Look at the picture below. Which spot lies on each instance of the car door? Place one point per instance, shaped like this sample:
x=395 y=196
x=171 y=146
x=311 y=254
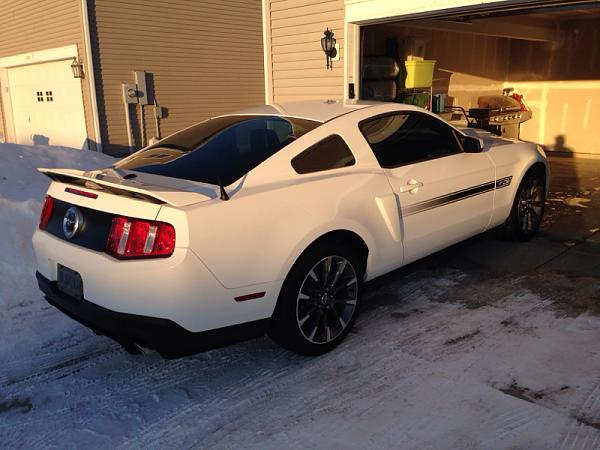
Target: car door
x=444 y=194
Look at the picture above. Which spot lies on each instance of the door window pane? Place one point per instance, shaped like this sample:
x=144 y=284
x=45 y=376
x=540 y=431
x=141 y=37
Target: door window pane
x=406 y=138
x=330 y=153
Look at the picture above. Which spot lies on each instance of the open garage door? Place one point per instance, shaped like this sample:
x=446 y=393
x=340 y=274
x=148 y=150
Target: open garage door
x=47 y=105
x=550 y=55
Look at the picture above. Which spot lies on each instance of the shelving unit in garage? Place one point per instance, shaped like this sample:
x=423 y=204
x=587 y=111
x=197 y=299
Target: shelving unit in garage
x=401 y=74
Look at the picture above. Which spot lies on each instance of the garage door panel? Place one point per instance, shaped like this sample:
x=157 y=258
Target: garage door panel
x=47 y=105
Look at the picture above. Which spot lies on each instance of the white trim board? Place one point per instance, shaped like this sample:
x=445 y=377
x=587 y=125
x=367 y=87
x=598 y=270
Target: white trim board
x=91 y=76
x=267 y=51
x=40 y=56
x=25 y=59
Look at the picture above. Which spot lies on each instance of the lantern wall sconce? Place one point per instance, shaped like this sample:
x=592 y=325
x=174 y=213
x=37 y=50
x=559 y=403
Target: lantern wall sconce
x=77 y=68
x=328 y=46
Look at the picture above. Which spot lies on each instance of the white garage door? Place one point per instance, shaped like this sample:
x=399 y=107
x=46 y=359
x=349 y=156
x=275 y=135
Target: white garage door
x=47 y=105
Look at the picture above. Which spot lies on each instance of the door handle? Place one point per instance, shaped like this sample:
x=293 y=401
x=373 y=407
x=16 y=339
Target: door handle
x=411 y=186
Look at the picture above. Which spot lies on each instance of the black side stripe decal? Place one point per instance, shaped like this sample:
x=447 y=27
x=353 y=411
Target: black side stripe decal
x=456 y=196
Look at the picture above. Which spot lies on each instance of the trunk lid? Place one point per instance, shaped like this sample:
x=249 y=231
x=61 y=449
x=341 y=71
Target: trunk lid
x=101 y=195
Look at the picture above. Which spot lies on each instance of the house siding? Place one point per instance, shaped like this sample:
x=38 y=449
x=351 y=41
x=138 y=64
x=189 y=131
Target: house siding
x=298 y=63
x=203 y=58
x=27 y=26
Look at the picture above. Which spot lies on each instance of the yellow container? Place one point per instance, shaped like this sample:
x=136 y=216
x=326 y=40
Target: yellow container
x=419 y=73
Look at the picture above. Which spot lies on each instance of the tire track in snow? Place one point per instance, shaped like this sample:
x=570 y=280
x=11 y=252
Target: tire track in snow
x=62 y=348
x=515 y=419
x=127 y=378
x=579 y=434
x=239 y=398
x=129 y=387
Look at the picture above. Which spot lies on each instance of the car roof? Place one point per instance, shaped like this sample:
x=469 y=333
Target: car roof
x=318 y=110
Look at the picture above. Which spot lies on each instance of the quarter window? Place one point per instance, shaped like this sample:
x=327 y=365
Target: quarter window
x=401 y=139
x=330 y=153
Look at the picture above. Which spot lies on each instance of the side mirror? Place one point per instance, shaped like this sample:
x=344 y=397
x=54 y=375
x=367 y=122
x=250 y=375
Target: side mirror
x=472 y=144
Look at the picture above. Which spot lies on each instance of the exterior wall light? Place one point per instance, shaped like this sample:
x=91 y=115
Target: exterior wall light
x=328 y=46
x=77 y=68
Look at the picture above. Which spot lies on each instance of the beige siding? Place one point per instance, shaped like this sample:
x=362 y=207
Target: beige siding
x=298 y=62
x=32 y=25
x=3 y=134
x=204 y=58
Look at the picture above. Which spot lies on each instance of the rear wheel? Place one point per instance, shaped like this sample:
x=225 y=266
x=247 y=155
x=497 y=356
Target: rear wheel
x=319 y=300
x=528 y=208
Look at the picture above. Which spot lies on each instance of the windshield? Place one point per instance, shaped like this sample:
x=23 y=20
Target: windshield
x=219 y=150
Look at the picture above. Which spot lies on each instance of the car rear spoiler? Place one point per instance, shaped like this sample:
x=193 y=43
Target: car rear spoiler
x=150 y=193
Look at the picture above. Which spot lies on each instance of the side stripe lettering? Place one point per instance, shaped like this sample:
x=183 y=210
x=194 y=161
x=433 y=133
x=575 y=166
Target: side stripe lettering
x=456 y=196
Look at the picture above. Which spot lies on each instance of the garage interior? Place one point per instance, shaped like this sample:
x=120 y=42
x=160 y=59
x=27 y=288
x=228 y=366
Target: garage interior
x=551 y=56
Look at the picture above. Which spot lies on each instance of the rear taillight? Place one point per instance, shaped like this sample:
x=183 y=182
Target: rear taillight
x=46 y=212
x=138 y=238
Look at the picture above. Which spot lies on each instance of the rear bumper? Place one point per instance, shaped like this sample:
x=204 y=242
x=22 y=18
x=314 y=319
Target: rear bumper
x=169 y=339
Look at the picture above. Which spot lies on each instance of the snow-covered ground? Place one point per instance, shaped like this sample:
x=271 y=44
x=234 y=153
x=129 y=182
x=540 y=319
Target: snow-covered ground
x=22 y=191
x=443 y=356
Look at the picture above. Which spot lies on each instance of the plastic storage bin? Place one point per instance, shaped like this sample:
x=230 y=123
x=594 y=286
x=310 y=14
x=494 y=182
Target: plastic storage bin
x=418 y=99
x=419 y=74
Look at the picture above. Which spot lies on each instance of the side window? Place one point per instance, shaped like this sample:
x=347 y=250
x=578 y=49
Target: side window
x=330 y=153
x=406 y=138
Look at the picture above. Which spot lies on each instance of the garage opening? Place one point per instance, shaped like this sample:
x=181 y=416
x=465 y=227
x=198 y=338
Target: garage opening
x=549 y=56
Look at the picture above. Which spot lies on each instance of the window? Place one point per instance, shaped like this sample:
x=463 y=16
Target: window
x=330 y=153
x=219 y=150
x=406 y=138
x=49 y=97
x=40 y=96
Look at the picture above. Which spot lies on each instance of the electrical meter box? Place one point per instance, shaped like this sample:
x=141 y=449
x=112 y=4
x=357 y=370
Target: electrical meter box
x=130 y=95
x=142 y=91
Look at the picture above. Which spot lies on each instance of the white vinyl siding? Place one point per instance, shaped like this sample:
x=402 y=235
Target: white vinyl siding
x=299 y=71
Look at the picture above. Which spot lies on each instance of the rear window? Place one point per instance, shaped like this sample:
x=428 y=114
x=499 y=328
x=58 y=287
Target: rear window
x=220 y=150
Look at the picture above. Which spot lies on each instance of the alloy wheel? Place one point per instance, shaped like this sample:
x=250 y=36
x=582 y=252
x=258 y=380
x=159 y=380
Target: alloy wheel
x=327 y=299
x=531 y=205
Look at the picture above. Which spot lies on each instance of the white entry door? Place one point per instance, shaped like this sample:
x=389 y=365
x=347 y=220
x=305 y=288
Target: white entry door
x=47 y=105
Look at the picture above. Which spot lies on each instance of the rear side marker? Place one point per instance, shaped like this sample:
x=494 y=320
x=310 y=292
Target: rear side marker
x=80 y=192
x=243 y=298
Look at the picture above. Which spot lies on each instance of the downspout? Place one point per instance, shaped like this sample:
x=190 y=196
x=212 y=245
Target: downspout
x=91 y=74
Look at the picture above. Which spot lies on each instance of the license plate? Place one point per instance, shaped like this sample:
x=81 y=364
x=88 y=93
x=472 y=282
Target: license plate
x=69 y=282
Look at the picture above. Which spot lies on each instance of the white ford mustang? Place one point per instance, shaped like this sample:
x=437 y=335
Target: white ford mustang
x=271 y=220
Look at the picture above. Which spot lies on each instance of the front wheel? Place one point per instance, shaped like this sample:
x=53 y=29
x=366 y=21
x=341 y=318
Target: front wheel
x=319 y=300
x=528 y=208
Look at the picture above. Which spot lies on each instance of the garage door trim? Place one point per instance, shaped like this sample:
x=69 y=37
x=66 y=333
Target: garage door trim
x=25 y=59
x=353 y=24
x=491 y=7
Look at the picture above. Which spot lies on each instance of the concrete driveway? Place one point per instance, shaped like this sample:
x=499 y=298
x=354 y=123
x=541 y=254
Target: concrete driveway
x=488 y=344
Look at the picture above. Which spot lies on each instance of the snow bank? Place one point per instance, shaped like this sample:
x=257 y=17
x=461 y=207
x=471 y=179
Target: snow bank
x=22 y=189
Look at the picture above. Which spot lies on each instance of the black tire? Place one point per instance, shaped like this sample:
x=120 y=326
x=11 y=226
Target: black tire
x=527 y=210
x=312 y=315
